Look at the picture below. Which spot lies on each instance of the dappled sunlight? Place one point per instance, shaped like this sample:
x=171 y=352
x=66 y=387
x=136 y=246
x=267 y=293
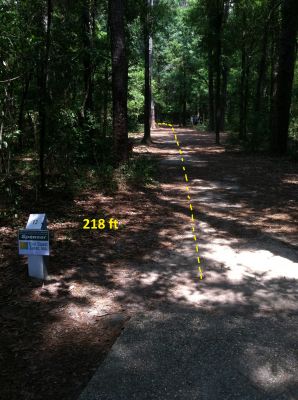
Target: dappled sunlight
x=236 y=268
x=245 y=240
x=255 y=261
x=290 y=179
x=269 y=375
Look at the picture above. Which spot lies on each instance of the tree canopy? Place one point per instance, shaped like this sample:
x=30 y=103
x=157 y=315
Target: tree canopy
x=75 y=77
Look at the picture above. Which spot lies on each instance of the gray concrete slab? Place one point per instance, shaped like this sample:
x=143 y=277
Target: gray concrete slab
x=193 y=354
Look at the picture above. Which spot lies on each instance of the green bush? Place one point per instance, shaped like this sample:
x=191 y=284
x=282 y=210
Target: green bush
x=293 y=138
x=138 y=171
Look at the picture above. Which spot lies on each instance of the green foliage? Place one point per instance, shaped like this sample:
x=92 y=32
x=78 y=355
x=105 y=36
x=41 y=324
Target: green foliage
x=180 y=72
x=293 y=138
x=135 y=97
x=79 y=135
x=10 y=195
x=138 y=171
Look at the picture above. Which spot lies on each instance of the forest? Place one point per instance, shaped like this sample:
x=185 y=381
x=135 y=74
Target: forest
x=175 y=123
x=76 y=77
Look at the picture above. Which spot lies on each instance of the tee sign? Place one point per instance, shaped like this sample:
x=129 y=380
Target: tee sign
x=34 y=242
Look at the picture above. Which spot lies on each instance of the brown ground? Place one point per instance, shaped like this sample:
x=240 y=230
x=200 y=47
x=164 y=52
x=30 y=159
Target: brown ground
x=53 y=336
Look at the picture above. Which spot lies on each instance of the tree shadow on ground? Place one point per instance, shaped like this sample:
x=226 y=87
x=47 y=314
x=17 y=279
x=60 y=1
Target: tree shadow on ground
x=146 y=265
x=195 y=354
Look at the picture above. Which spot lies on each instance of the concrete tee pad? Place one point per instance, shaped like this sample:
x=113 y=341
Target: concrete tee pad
x=194 y=354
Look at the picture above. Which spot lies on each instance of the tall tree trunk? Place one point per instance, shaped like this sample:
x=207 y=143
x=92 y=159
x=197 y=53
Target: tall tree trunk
x=3 y=167
x=246 y=96
x=119 y=78
x=286 y=66
x=224 y=73
x=153 y=123
x=105 y=102
x=261 y=69
x=218 y=51
x=87 y=60
x=275 y=36
x=148 y=45
x=224 y=85
x=44 y=95
x=211 y=91
x=22 y=105
x=184 y=96
x=184 y=111
x=152 y=119
x=243 y=100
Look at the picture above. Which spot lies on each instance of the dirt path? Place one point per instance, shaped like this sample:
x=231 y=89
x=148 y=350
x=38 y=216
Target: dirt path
x=245 y=207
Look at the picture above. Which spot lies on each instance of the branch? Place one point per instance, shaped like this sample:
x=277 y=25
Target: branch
x=12 y=79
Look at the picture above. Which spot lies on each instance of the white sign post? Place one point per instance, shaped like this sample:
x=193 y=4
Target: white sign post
x=34 y=243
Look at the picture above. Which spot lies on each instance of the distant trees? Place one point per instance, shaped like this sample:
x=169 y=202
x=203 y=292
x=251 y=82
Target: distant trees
x=250 y=54
x=75 y=76
x=179 y=68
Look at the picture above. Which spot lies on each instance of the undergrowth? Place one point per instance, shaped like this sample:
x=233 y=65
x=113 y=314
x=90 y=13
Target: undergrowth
x=22 y=183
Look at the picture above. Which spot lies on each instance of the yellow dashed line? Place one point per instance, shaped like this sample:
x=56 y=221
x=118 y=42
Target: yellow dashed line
x=201 y=273
x=188 y=197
